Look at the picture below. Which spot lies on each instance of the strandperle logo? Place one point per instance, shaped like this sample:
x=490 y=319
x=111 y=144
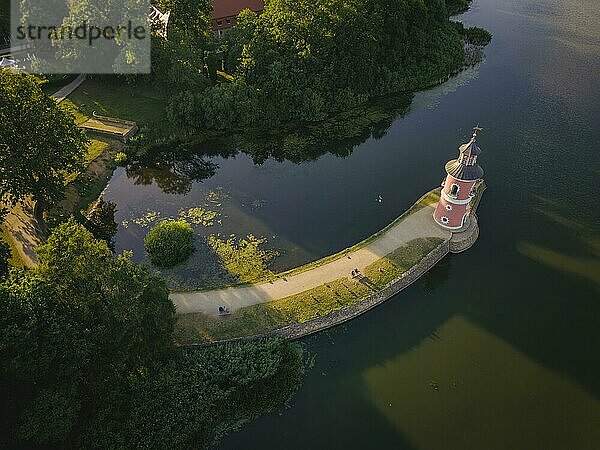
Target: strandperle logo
x=87 y=36
x=86 y=32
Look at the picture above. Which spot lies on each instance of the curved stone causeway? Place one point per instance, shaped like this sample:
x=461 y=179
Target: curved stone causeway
x=416 y=223
x=300 y=330
x=419 y=224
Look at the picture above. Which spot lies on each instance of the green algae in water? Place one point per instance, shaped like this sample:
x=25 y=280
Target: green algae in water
x=199 y=216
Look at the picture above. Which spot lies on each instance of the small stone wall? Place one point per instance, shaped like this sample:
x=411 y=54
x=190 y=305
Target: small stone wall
x=465 y=239
x=301 y=330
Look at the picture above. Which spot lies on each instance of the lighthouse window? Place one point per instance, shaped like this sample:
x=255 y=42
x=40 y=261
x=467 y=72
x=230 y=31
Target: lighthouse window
x=454 y=190
x=444 y=219
x=448 y=207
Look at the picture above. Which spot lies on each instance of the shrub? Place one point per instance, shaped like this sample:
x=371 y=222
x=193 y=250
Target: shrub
x=170 y=242
x=121 y=158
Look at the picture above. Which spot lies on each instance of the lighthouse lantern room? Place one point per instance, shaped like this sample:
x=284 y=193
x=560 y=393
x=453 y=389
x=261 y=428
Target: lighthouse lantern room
x=464 y=176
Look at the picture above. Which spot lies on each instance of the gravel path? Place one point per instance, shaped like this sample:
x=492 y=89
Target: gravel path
x=65 y=91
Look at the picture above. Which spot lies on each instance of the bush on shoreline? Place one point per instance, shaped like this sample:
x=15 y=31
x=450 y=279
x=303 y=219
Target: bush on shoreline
x=170 y=242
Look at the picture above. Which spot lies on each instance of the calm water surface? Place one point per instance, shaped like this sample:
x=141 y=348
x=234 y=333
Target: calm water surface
x=497 y=348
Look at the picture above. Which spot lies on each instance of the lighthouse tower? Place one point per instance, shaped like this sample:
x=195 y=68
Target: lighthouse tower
x=460 y=186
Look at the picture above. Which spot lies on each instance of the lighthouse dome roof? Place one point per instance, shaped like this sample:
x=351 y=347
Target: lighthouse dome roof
x=463 y=172
x=470 y=148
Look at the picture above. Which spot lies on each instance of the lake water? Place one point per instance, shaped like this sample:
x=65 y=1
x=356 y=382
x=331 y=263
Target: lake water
x=496 y=348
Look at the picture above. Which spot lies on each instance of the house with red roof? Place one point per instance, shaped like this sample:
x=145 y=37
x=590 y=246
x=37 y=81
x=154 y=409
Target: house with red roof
x=225 y=13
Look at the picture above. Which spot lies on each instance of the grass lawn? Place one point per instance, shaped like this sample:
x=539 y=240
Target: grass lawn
x=15 y=259
x=307 y=305
x=83 y=188
x=79 y=116
x=139 y=104
x=116 y=100
x=95 y=148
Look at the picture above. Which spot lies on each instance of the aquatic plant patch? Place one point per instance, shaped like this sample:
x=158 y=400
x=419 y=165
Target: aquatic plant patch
x=194 y=216
x=245 y=258
x=199 y=216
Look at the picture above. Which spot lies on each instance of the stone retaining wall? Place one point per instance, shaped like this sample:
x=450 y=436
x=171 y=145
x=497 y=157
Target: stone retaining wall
x=464 y=240
x=301 y=330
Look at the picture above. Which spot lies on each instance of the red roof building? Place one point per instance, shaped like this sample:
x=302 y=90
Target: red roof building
x=225 y=12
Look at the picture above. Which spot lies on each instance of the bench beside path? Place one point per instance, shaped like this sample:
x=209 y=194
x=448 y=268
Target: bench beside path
x=419 y=224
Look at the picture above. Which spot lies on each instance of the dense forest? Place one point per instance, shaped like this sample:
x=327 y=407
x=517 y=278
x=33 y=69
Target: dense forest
x=4 y=22
x=304 y=60
x=87 y=359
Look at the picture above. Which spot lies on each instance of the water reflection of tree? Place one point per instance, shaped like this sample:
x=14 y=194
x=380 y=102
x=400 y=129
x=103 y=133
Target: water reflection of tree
x=176 y=167
x=338 y=135
x=173 y=170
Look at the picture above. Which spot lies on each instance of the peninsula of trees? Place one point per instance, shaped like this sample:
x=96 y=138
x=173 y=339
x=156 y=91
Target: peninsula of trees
x=302 y=60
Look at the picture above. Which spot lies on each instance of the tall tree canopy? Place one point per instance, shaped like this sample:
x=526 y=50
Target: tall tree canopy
x=76 y=329
x=39 y=142
x=87 y=361
x=178 y=62
x=302 y=60
x=5 y=255
x=4 y=22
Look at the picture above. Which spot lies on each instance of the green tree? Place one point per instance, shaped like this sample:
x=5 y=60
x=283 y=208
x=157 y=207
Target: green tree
x=197 y=396
x=178 y=61
x=4 y=22
x=175 y=68
x=39 y=142
x=303 y=60
x=477 y=36
x=190 y=23
x=74 y=331
x=170 y=242
x=86 y=359
x=457 y=6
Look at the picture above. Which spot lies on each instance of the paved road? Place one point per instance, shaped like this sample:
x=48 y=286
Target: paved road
x=417 y=225
x=65 y=91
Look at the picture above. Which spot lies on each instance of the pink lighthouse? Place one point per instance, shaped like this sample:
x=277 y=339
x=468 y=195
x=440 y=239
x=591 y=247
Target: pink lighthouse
x=460 y=186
